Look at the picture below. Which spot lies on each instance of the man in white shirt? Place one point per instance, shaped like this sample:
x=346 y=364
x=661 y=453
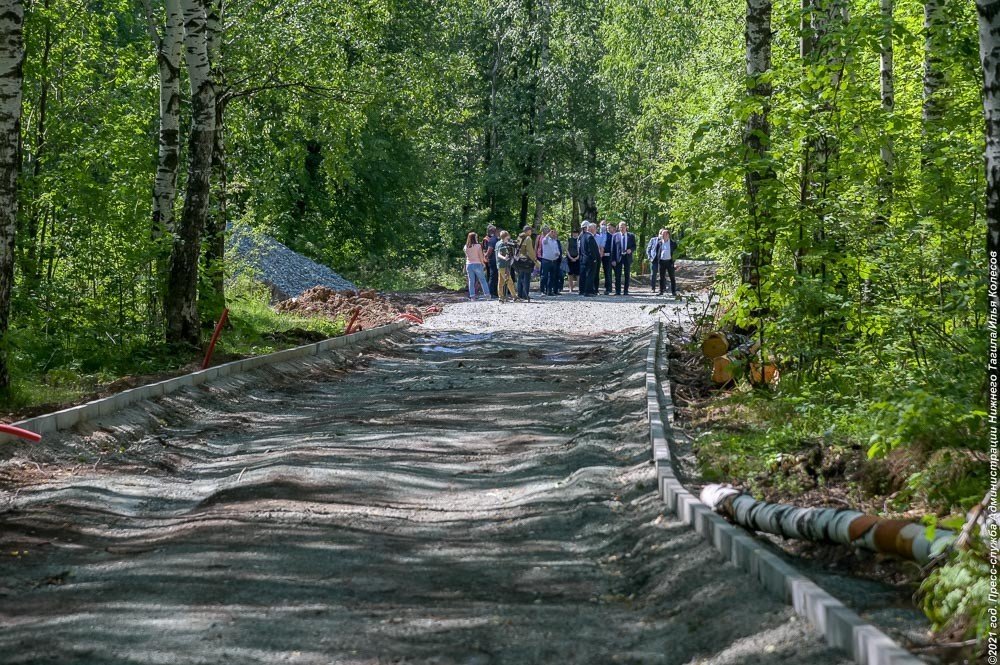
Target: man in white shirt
x=551 y=256
x=605 y=240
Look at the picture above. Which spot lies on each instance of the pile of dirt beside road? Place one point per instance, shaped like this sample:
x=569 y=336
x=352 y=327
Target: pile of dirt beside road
x=373 y=309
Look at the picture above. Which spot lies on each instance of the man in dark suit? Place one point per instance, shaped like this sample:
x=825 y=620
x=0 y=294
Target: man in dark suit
x=590 y=259
x=622 y=252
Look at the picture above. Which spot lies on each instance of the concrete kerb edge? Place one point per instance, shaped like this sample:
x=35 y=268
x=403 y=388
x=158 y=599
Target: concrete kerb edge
x=67 y=418
x=842 y=627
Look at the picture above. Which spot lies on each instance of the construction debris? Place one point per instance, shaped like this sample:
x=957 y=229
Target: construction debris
x=373 y=309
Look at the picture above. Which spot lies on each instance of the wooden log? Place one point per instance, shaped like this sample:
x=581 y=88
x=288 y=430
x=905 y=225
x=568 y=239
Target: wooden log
x=716 y=344
x=848 y=527
x=768 y=377
x=722 y=370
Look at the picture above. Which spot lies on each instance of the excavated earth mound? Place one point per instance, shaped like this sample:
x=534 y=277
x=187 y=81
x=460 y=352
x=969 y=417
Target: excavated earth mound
x=373 y=309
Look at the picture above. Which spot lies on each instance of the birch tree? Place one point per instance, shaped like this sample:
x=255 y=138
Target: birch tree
x=168 y=38
x=989 y=51
x=11 y=76
x=756 y=142
x=935 y=22
x=181 y=306
x=887 y=90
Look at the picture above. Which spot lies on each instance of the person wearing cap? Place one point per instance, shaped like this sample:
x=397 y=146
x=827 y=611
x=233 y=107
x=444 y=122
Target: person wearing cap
x=505 y=252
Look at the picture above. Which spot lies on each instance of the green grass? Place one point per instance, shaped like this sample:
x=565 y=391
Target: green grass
x=47 y=371
x=429 y=275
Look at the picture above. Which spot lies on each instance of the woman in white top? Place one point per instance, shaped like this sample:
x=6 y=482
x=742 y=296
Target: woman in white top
x=475 y=267
x=665 y=259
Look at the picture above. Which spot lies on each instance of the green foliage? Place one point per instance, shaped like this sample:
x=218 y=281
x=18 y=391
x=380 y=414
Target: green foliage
x=373 y=136
x=255 y=328
x=956 y=596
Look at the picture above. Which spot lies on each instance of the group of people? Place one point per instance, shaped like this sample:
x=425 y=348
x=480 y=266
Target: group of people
x=500 y=267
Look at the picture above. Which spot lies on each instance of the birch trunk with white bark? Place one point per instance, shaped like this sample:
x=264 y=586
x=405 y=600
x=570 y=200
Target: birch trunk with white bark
x=11 y=78
x=757 y=133
x=181 y=306
x=168 y=43
x=933 y=77
x=989 y=51
x=888 y=95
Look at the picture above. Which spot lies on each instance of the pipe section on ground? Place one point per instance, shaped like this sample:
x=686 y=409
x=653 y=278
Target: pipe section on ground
x=848 y=527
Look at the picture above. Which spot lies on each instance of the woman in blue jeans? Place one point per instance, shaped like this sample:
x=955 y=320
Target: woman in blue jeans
x=475 y=267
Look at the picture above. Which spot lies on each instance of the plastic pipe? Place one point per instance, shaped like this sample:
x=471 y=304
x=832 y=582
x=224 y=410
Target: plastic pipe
x=354 y=318
x=848 y=527
x=20 y=433
x=215 y=338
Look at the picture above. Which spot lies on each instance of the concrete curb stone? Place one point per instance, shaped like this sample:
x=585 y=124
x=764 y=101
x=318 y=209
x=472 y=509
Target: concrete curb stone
x=841 y=626
x=67 y=418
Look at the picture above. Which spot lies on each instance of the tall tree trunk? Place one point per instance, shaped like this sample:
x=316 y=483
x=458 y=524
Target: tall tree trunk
x=525 y=196
x=541 y=108
x=168 y=40
x=11 y=78
x=888 y=94
x=887 y=154
x=589 y=198
x=168 y=43
x=934 y=179
x=38 y=210
x=989 y=50
x=935 y=20
x=490 y=134
x=806 y=46
x=756 y=142
x=215 y=245
x=181 y=306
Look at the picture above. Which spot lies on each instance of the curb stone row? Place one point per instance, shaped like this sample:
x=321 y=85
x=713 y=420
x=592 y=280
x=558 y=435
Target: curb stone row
x=841 y=626
x=72 y=416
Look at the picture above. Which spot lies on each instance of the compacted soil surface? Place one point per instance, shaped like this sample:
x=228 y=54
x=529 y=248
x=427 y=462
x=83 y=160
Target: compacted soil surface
x=445 y=496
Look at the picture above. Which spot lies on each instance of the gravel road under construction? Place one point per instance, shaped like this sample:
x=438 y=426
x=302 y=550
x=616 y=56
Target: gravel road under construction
x=446 y=497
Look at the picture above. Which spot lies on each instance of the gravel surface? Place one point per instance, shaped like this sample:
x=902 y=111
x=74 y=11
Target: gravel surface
x=467 y=498
x=570 y=314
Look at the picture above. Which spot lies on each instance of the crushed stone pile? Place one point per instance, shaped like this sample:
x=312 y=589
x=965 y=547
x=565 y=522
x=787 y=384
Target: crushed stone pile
x=374 y=309
x=287 y=273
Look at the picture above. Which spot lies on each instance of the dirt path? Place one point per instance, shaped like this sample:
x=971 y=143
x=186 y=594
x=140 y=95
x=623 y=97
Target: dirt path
x=467 y=498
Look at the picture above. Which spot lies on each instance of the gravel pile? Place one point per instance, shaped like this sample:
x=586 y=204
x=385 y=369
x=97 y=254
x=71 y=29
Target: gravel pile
x=287 y=273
